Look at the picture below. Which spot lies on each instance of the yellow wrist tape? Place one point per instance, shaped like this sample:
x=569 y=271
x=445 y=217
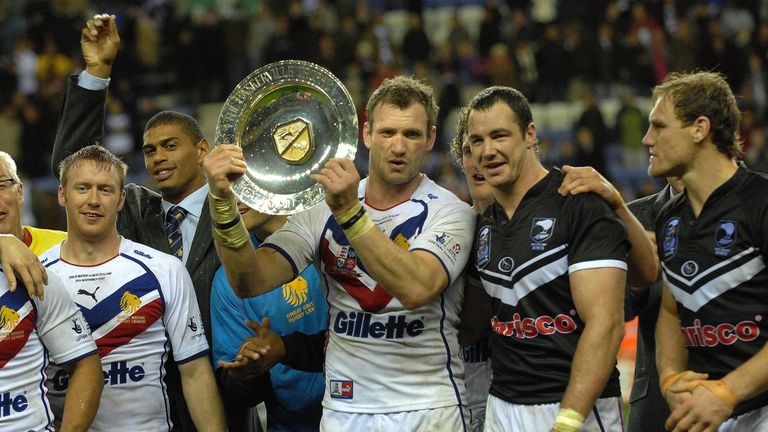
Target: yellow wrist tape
x=568 y=420
x=721 y=390
x=348 y=214
x=359 y=228
x=227 y=227
x=671 y=379
x=223 y=210
x=233 y=237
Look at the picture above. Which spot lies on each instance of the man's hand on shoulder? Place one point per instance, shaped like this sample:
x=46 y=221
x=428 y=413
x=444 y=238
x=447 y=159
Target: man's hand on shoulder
x=586 y=179
x=19 y=261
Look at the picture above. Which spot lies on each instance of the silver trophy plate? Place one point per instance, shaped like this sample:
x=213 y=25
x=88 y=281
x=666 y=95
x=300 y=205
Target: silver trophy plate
x=290 y=118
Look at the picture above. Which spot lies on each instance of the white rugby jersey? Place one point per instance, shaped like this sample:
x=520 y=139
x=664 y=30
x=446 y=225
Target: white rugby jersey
x=30 y=331
x=139 y=305
x=381 y=357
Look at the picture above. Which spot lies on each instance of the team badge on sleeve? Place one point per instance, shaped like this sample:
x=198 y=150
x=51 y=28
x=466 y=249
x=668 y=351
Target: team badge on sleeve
x=484 y=246
x=669 y=243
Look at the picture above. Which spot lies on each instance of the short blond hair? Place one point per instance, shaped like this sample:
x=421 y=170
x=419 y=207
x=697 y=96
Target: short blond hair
x=9 y=165
x=97 y=155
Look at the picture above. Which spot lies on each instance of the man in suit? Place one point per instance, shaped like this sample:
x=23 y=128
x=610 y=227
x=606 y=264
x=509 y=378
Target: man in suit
x=647 y=408
x=174 y=148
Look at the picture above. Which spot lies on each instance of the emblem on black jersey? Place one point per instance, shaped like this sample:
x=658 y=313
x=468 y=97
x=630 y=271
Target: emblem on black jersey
x=484 y=246
x=669 y=244
x=506 y=264
x=725 y=236
x=689 y=268
x=541 y=231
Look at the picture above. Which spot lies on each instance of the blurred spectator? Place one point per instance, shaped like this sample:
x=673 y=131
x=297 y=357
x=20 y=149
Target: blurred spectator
x=682 y=48
x=25 y=60
x=591 y=148
x=631 y=125
x=490 y=29
x=553 y=65
x=117 y=129
x=415 y=46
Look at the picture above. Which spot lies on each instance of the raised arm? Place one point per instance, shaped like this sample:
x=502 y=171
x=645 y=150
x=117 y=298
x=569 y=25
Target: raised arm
x=598 y=295
x=643 y=261
x=414 y=277
x=250 y=271
x=81 y=122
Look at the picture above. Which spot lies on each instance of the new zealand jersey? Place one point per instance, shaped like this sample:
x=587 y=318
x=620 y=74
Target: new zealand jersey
x=140 y=305
x=714 y=266
x=524 y=265
x=382 y=357
x=30 y=331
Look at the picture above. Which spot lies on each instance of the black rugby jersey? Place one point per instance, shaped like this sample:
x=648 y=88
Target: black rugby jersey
x=714 y=265
x=523 y=264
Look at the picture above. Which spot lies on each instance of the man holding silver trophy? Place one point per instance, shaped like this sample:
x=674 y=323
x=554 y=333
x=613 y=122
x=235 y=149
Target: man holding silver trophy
x=390 y=248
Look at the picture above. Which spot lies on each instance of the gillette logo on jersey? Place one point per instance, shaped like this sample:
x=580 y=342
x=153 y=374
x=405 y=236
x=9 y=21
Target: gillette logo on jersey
x=8 y=403
x=528 y=328
x=362 y=325
x=118 y=373
x=708 y=335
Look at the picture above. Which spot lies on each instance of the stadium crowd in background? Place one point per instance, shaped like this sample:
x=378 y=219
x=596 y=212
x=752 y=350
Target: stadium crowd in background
x=583 y=52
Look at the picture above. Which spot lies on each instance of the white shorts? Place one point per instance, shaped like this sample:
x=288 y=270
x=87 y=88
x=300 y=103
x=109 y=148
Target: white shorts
x=753 y=421
x=453 y=418
x=501 y=416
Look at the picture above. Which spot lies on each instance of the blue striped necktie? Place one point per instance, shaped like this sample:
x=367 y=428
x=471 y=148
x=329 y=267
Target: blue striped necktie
x=173 y=228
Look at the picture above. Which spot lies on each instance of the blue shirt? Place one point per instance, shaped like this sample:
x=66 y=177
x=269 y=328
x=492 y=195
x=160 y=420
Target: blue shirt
x=297 y=406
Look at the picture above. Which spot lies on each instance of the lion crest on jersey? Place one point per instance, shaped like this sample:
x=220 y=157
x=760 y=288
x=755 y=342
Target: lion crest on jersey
x=9 y=318
x=130 y=303
x=295 y=292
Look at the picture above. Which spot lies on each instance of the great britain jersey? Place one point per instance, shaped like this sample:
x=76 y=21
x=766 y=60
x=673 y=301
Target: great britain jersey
x=524 y=265
x=381 y=357
x=30 y=332
x=139 y=305
x=714 y=266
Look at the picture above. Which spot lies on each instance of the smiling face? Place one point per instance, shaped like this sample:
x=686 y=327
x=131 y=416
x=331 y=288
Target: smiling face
x=92 y=196
x=670 y=143
x=173 y=160
x=398 y=140
x=498 y=146
x=11 y=197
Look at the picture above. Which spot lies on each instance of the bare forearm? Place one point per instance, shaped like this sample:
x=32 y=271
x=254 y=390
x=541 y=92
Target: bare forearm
x=202 y=395
x=592 y=365
x=82 y=401
x=643 y=262
x=404 y=274
x=252 y=272
x=671 y=355
x=751 y=378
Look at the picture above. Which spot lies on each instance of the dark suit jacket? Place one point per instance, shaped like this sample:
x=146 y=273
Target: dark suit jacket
x=647 y=408
x=81 y=123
